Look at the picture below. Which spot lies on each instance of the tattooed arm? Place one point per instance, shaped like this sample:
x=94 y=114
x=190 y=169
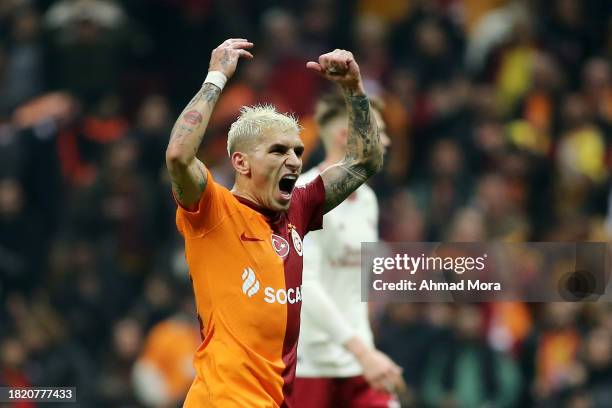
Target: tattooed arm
x=188 y=174
x=364 y=153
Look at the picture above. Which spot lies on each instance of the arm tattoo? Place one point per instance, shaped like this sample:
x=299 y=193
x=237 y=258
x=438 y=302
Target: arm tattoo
x=188 y=182
x=363 y=153
x=193 y=117
x=202 y=180
x=225 y=60
x=178 y=191
x=209 y=94
x=354 y=172
x=344 y=182
x=363 y=132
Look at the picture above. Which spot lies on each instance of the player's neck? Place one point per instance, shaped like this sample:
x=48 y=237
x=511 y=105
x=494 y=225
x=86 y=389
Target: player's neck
x=243 y=191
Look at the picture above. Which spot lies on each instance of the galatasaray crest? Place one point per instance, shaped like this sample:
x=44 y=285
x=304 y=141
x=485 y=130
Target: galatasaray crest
x=297 y=241
x=280 y=245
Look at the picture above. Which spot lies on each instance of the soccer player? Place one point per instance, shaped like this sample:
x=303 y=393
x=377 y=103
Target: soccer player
x=338 y=365
x=244 y=246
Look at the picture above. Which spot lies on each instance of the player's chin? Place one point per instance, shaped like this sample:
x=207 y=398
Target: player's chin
x=282 y=200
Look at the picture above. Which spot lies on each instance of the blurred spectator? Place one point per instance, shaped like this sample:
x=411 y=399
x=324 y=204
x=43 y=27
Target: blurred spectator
x=469 y=373
x=515 y=61
x=83 y=280
x=53 y=358
x=550 y=359
x=468 y=225
x=401 y=219
x=407 y=337
x=280 y=31
x=88 y=46
x=372 y=52
x=21 y=67
x=597 y=88
x=509 y=324
x=13 y=357
x=164 y=371
x=444 y=188
x=116 y=210
x=114 y=378
x=538 y=109
x=503 y=219
x=492 y=29
x=429 y=42
x=581 y=155
x=598 y=365
x=151 y=130
x=21 y=259
x=564 y=34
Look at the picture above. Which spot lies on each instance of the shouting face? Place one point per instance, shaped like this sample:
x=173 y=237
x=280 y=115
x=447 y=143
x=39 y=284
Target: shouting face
x=271 y=169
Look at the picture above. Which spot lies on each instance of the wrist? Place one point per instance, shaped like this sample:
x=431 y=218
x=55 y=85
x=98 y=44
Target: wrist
x=217 y=78
x=357 y=347
x=355 y=89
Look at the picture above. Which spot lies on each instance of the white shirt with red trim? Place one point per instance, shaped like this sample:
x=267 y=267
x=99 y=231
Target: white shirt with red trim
x=332 y=311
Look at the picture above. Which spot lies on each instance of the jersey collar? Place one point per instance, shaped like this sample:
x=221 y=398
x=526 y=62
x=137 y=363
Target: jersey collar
x=271 y=215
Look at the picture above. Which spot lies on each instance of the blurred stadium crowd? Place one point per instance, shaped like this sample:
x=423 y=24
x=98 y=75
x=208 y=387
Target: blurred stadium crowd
x=500 y=114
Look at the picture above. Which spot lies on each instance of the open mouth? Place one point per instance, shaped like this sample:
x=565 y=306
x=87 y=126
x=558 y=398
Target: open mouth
x=286 y=184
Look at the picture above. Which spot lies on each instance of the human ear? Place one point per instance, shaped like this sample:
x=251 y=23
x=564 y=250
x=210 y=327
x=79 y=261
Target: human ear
x=241 y=163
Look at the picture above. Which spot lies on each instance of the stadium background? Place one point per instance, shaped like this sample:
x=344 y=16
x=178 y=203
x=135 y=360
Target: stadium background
x=500 y=114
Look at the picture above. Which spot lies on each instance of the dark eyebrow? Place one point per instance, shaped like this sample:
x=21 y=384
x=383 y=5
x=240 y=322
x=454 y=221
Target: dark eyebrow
x=278 y=147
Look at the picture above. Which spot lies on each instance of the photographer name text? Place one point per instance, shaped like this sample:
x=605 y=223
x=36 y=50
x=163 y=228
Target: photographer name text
x=430 y=285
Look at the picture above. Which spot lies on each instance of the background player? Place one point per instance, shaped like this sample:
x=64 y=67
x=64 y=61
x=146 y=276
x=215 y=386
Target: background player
x=246 y=276
x=337 y=362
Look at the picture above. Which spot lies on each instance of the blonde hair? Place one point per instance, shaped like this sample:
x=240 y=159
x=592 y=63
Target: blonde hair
x=254 y=120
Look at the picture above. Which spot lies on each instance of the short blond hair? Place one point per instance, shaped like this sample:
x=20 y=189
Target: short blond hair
x=254 y=120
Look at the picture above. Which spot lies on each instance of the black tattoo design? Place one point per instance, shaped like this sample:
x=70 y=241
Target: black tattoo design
x=359 y=117
x=186 y=137
x=209 y=93
x=202 y=181
x=363 y=152
x=178 y=191
x=345 y=180
x=225 y=59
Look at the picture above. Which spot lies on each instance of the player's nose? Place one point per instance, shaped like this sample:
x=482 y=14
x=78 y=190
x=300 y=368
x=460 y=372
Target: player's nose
x=293 y=162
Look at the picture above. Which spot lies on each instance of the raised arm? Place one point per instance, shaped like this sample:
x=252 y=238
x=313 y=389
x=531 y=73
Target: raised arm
x=188 y=174
x=364 y=153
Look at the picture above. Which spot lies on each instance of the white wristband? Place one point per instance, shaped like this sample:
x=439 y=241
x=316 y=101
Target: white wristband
x=216 y=78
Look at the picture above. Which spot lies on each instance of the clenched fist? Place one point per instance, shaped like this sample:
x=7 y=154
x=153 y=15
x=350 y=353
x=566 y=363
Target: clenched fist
x=225 y=57
x=339 y=66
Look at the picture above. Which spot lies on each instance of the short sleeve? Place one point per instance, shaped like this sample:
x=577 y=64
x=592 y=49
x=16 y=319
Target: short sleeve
x=308 y=204
x=213 y=207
